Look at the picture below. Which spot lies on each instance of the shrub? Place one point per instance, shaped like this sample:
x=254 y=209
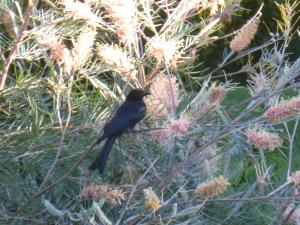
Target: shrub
x=198 y=157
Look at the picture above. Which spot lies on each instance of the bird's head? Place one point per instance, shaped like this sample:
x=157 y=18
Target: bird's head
x=137 y=94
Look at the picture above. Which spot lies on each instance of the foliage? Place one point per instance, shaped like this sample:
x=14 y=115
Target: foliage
x=207 y=153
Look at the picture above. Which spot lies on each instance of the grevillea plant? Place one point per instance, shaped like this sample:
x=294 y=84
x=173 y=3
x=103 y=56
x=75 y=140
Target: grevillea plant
x=208 y=151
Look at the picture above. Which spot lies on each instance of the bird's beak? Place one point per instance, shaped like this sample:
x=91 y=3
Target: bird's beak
x=146 y=93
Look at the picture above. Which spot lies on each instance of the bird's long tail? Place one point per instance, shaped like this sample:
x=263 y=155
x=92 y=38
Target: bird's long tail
x=100 y=162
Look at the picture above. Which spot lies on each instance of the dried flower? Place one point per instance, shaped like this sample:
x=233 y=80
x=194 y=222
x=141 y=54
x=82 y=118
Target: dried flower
x=52 y=43
x=112 y=195
x=244 y=36
x=165 y=92
x=83 y=47
x=151 y=200
x=164 y=50
x=117 y=59
x=213 y=187
x=80 y=10
x=263 y=139
x=122 y=13
x=58 y=51
x=216 y=94
x=284 y=110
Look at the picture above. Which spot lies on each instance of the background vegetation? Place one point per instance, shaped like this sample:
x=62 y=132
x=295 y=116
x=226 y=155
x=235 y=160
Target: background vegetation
x=220 y=143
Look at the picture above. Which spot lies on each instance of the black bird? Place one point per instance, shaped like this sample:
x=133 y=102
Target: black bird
x=126 y=117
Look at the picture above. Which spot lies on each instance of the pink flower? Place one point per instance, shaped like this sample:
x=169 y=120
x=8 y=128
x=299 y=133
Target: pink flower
x=179 y=126
x=245 y=35
x=283 y=110
x=263 y=139
x=165 y=91
x=176 y=127
x=161 y=135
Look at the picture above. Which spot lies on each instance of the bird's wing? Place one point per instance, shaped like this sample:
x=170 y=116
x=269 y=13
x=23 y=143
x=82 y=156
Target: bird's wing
x=126 y=117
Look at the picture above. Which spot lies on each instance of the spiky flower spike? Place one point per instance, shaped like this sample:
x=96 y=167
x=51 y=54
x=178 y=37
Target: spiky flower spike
x=164 y=95
x=263 y=139
x=258 y=84
x=284 y=110
x=179 y=126
x=176 y=127
x=245 y=35
x=164 y=50
x=160 y=135
x=83 y=46
x=57 y=49
x=151 y=200
x=122 y=13
x=79 y=10
x=215 y=96
x=117 y=59
x=213 y=187
x=111 y=195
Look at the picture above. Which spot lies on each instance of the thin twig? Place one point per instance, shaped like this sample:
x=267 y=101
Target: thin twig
x=279 y=188
x=133 y=190
x=63 y=133
x=291 y=145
